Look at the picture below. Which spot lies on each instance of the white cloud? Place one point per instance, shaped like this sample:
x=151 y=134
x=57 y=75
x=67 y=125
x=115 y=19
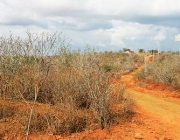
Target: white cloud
x=159 y=37
x=103 y=23
x=177 y=37
x=121 y=8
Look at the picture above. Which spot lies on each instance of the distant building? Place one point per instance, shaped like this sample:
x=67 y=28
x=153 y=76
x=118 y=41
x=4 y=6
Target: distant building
x=129 y=52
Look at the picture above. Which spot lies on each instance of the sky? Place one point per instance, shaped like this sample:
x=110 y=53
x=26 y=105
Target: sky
x=109 y=25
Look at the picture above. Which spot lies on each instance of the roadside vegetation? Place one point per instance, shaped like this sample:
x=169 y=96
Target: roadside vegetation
x=164 y=69
x=45 y=86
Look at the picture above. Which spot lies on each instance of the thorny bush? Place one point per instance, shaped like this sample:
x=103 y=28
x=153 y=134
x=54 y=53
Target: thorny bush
x=42 y=68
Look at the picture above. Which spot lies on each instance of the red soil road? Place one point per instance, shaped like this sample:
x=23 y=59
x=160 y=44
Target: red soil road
x=156 y=102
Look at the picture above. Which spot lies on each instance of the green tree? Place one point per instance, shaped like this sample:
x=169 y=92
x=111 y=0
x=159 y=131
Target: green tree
x=141 y=50
x=126 y=49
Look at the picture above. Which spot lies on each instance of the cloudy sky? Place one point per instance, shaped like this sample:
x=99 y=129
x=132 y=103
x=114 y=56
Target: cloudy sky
x=105 y=24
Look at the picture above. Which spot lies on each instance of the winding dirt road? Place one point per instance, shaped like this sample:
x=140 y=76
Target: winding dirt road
x=165 y=110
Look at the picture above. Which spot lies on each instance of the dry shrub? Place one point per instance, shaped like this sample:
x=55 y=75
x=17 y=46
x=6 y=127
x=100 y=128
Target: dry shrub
x=122 y=108
x=82 y=101
x=68 y=126
x=127 y=106
x=39 y=122
x=69 y=119
x=76 y=82
x=56 y=121
x=7 y=111
x=164 y=69
x=141 y=75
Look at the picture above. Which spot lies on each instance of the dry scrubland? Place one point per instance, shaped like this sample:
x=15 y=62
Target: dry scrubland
x=46 y=87
x=164 y=69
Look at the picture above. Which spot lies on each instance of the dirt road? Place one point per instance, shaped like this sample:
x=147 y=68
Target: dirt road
x=166 y=110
